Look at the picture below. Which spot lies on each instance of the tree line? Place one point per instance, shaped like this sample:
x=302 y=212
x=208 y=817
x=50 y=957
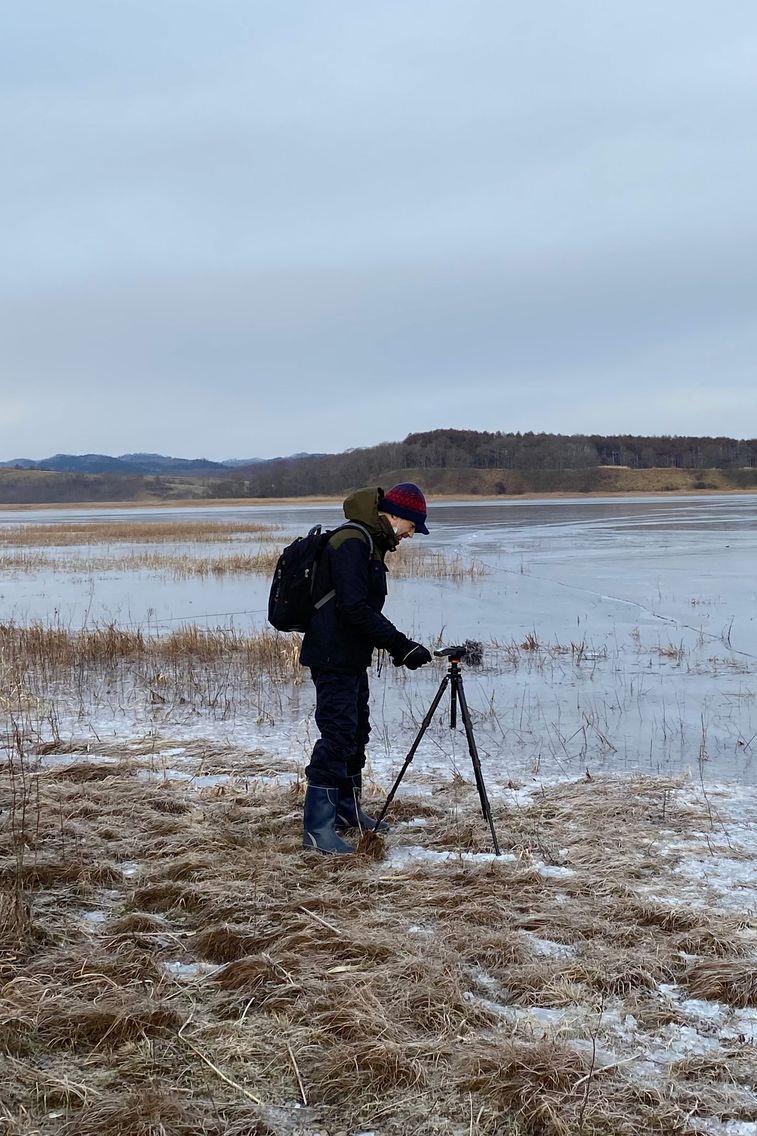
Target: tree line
x=555 y=457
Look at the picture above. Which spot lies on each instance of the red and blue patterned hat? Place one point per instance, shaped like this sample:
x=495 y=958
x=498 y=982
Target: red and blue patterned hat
x=406 y=500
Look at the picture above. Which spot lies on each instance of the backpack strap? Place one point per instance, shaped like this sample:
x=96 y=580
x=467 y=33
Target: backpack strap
x=367 y=534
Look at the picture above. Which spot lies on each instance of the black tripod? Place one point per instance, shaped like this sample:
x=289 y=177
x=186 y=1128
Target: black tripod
x=455 y=678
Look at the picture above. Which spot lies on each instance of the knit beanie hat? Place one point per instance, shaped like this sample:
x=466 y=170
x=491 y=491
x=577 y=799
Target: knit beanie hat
x=406 y=500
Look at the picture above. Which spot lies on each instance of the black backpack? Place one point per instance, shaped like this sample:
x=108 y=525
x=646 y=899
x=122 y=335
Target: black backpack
x=290 y=601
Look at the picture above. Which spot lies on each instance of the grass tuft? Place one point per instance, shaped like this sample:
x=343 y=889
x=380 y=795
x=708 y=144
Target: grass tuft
x=724 y=980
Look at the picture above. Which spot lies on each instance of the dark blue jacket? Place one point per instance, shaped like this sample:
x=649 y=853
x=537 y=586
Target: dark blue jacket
x=342 y=634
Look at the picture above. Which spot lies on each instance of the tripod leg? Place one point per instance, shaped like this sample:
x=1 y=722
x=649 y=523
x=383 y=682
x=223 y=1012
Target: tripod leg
x=424 y=726
x=457 y=689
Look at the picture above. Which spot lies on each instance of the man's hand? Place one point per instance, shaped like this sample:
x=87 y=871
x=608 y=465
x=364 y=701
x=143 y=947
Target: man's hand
x=411 y=655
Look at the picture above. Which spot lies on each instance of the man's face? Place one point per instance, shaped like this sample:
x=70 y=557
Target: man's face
x=402 y=527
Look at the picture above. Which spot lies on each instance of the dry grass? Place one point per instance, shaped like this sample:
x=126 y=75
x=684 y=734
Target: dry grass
x=392 y=997
x=129 y=532
x=176 y=566
x=724 y=980
x=49 y=672
x=41 y=646
x=416 y=562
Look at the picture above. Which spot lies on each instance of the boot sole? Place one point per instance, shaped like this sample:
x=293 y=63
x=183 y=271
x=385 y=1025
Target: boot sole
x=310 y=845
x=328 y=851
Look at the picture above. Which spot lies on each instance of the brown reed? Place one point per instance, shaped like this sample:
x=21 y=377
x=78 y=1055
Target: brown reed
x=41 y=645
x=61 y=535
x=413 y=563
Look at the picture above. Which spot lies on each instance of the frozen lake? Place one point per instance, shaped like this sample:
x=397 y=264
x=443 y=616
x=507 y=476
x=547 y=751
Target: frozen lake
x=623 y=633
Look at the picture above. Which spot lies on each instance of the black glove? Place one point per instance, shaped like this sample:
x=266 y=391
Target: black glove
x=411 y=655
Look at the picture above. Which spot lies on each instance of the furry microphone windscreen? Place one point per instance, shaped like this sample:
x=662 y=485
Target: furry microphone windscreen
x=474 y=652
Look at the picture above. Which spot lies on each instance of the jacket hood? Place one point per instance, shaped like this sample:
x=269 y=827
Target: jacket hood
x=362 y=506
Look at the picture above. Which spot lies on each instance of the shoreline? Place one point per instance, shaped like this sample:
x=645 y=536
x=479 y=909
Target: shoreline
x=466 y=498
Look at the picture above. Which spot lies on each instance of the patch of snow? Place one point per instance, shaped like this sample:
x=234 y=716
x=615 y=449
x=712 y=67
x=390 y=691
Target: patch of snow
x=681 y=1041
x=189 y=971
x=734 y=880
x=129 y=869
x=704 y=1011
x=553 y=871
x=742 y=1027
x=724 y=1127
x=548 y=948
x=488 y=1004
x=413 y=853
x=729 y=1024
x=546 y=1014
x=539 y=1021
x=486 y=980
x=94 y=917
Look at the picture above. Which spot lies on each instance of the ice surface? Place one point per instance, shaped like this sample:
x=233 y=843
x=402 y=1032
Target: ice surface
x=54 y=760
x=642 y=611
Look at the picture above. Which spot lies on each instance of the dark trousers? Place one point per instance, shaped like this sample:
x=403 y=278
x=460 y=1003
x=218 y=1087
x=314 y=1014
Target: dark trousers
x=343 y=721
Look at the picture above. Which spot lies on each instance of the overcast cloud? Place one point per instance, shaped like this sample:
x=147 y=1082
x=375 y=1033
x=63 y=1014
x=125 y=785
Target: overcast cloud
x=236 y=228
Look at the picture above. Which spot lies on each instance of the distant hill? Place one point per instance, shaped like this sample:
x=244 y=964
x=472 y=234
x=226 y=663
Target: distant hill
x=159 y=463
x=84 y=463
x=127 y=464
x=452 y=462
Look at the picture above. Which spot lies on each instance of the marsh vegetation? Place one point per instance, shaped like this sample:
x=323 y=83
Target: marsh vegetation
x=173 y=962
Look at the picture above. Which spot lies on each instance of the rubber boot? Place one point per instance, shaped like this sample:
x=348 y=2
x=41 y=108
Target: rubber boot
x=319 y=830
x=349 y=813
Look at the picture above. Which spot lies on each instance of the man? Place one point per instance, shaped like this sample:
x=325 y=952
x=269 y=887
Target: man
x=338 y=646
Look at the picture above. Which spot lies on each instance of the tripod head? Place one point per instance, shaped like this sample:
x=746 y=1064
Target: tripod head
x=471 y=650
x=456 y=653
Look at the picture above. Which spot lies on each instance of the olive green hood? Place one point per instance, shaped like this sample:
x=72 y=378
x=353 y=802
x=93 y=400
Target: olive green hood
x=362 y=506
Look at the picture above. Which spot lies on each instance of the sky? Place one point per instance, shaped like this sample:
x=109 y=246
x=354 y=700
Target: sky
x=240 y=229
